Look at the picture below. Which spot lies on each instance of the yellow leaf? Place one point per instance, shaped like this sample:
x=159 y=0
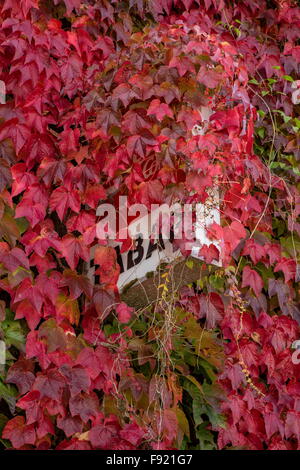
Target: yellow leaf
x=195 y=382
x=68 y=308
x=183 y=422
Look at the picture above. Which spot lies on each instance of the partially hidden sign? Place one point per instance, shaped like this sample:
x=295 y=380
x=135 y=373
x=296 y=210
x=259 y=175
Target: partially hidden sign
x=148 y=252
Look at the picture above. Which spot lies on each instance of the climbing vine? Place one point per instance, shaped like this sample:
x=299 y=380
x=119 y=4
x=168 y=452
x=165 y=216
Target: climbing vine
x=102 y=99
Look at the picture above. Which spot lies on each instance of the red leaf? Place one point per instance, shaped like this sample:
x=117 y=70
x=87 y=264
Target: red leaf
x=292 y=425
x=132 y=433
x=182 y=64
x=252 y=279
x=88 y=359
x=109 y=269
x=233 y=234
x=288 y=267
x=137 y=144
x=274 y=252
x=76 y=378
x=197 y=182
x=51 y=170
x=69 y=141
x=96 y=361
x=25 y=309
x=209 y=253
x=71 y=4
x=29 y=291
x=21 y=374
x=209 y=311
x=85 y=405
x=15 y=258
x=74 y=444
x=170 y=426
x=69 y=424
x=253 y=249
x=273 y=424
x=50 y=384
x=124 y=93
x=21 y=178
x=74 y=248
x=30 y=403
x=18 y=432
x=33 y=204
x=62 y=199
x=160 y=110
x=124 y=312
x=77 y=284
x=52 y=335
x=134 y=121
x=101 y=436
x=81 y=222
x=150 y=192
x=209 y=78
x=35 y=348
x=19 y=133
x=41 y=238
x=104 y=299
x=229 y=119
x=44 y=426
x=93 y=195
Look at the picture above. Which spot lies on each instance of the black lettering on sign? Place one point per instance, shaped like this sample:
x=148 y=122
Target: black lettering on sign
x=119 y=259
x=155 y=246
x=139 y=250
x=172 y=236
x=161 y=245
x=152 y=247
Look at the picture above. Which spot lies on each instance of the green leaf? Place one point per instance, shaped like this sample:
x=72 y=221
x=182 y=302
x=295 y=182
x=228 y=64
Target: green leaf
x=279 y=225
x=288 y=78
x=3 y=421
x=22 y=224
x=217 y=282
x=290 y=245
x=206 y=437
x=261 y=113
x=189 y=263
x=296 y=171
x=297 y=122
x=208 y=368
x=13 y=334
x=8 y=393
x=183 y=422
x=283 y=115
x=261 y=132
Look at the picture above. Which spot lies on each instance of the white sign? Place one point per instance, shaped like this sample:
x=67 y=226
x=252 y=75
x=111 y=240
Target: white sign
x=147 y=254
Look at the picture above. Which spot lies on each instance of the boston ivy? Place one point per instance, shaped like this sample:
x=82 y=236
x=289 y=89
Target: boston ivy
x=101 y=101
